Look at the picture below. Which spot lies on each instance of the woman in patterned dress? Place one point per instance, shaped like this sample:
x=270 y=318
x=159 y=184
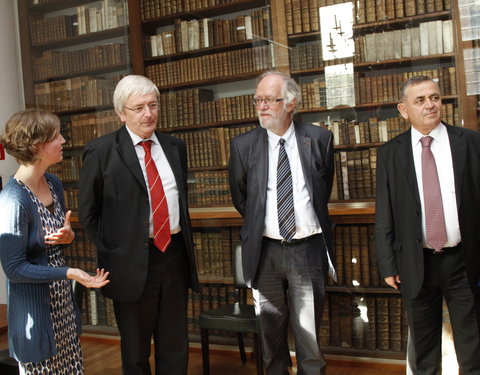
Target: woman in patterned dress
x=43 y=321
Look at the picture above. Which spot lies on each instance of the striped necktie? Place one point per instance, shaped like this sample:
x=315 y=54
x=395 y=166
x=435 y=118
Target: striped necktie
x=161 y=222
x=285 y=210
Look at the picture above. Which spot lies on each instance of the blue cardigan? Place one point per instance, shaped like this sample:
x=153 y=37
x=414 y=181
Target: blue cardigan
x=25 y=263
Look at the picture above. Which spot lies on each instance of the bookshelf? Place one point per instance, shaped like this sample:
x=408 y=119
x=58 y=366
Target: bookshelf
x=204 y=56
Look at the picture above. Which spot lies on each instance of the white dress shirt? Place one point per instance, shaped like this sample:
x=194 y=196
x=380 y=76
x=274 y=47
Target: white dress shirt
x=442 y=153
x=166 y=174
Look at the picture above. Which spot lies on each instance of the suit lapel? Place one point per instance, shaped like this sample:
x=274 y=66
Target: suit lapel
x=458 y=148
x=304 y=145
x=172 y=155
x=405 y=159
x=260 y=160
x=127 y=153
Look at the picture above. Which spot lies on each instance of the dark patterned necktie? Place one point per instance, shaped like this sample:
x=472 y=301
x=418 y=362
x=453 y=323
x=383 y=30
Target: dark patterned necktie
x=285 y=210
x=432 y=196
x=161 y=221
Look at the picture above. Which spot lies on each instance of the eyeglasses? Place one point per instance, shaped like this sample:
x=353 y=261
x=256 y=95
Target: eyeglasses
x=268 y=101
x=153 y=107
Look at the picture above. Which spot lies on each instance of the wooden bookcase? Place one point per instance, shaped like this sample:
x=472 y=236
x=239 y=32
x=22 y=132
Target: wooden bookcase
x=206 y=87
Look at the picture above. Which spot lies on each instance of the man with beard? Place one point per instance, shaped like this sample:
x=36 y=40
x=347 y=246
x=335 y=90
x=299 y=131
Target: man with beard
x=281 y=177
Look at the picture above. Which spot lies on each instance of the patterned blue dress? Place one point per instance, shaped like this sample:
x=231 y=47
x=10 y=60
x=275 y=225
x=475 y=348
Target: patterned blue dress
x=69 y=359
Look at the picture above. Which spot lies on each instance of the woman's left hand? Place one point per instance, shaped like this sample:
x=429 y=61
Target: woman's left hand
x=64 y=235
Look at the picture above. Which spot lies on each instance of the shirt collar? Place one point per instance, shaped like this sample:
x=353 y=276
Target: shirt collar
x=136 y=139
x=439 y=134
x=289 y=136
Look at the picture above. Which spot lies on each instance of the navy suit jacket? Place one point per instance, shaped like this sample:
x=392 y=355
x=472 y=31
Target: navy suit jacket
x=399 y=238
x=114 y=209
x=248 y=177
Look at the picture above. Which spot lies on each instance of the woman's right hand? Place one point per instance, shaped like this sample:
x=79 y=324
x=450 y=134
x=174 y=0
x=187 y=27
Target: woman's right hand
x=97 y=281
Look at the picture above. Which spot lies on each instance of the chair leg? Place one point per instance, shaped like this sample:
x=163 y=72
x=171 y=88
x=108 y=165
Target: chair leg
x=205 y=351
x=241 y=346
x=258 y=354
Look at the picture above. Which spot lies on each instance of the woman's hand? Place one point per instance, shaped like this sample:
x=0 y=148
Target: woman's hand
x=64 y=235
x=97 y=281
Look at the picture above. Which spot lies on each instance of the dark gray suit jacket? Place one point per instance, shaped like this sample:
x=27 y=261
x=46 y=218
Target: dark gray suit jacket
x=114 y=209
x=248 y=177
x=399 y=215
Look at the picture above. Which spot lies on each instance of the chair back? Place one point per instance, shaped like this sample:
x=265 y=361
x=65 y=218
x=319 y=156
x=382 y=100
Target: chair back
x=238 y=279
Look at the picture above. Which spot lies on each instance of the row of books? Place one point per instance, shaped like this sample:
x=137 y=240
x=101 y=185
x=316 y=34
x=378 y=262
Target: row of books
x=105 y=15
x=381 y=10
x=213 y=66
x=314 y=94
x=386 y=87
x=53 y=63
x=355 y=257
x=374 y=322
x=76 y=92
x=430 y=38
x=82 y=128
x=81 y=253
x=195 y=34
x=68 y=170
x=373 y=130
x=210 y=147
x=355 y=174
x=197 y=106
x=110 y=14
x=161 y=8
x=303 y=17
x=213 y=251
x=208 y=189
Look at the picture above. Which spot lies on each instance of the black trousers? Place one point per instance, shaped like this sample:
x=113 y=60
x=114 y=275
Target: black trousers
x=161 y=313
x=445 y=277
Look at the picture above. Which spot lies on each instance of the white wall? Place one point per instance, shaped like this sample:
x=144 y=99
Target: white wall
x=11 y=91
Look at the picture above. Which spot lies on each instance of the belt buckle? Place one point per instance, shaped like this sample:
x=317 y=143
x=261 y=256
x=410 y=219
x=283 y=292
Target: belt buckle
x=283 y=241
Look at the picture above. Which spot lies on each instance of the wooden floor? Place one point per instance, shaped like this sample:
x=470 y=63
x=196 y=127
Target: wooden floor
x=102 y=357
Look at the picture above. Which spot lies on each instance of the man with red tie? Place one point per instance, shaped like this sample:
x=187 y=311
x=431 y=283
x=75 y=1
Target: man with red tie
x=427 y=236
x=133 y=206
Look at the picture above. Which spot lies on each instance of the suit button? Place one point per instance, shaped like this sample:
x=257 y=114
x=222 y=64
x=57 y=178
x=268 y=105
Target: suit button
x=146 y=245
x=419 y=241
x=417 y=213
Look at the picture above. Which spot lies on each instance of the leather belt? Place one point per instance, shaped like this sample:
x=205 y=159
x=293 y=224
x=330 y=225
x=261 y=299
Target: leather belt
x=444 y=250
x=293 y=242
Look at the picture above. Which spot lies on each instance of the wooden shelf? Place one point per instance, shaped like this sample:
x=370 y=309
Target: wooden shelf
x=55 y=5
x=79 y=39
x=251 y=120
x=203 y=51
x=94 y=71
x=209 y=82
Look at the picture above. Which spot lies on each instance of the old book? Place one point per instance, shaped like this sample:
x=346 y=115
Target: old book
x=358 y=322
x=355 y=259
x=345 y=320
x=347 y=255
x=382 y=320
x=371 y=326
x=395 y=321
x=339 y=263
x=406 y=42
x=364 y=256
x=424 y=33
x=410 y=8
x=447 y=34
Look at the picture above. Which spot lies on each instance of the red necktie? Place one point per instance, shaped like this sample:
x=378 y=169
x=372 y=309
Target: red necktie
x=432 y=196
x=161 y=222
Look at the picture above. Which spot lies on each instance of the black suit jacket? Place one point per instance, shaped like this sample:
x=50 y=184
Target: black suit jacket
x=248 y=176
x=399 y=215
x=114 y=209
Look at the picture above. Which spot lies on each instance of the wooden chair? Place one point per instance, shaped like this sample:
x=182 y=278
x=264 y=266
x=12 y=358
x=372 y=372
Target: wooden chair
x=237 y=317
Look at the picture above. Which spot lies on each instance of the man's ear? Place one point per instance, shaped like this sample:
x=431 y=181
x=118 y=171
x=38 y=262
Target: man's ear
x=290 y=107
x=403 y=111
